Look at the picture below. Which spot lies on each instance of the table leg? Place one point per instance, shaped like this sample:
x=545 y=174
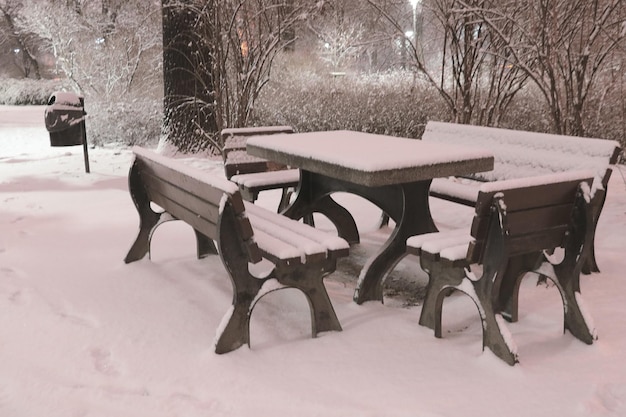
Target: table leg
x=313 y=196
x=407 y=204
x=412 y=216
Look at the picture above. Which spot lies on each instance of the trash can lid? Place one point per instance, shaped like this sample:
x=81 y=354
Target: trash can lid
x=64 y=98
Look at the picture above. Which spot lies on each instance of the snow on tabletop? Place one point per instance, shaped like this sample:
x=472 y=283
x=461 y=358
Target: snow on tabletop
x=367 y=152
x=214 y=181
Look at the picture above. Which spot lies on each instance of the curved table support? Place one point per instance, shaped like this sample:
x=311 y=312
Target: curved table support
x=407 y=204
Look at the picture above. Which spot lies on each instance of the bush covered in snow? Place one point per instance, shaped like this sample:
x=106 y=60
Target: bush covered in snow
x=24 y=91
x=391 y=103
x=398 y=103
x=131 y=123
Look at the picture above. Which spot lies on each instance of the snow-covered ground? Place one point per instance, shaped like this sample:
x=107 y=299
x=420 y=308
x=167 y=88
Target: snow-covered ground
x=83 y=334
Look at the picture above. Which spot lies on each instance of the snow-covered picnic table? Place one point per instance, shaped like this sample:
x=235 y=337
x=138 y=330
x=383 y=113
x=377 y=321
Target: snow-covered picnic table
x=393 y=173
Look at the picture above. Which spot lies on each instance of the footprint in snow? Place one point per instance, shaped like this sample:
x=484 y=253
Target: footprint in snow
x=103 y=362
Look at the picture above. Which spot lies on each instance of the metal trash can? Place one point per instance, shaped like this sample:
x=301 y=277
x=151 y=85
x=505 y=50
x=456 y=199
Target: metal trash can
x=65 y=119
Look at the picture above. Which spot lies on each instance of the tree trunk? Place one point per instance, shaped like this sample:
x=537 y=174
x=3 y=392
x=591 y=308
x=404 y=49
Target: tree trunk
x=189 y=118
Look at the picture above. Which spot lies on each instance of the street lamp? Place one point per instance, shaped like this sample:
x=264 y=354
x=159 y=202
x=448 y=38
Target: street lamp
x=414 y=4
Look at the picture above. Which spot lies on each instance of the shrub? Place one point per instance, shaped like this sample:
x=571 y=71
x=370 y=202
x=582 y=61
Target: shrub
x=26 y=91
x=130 y=123
x=393 y=103
x=397 y=104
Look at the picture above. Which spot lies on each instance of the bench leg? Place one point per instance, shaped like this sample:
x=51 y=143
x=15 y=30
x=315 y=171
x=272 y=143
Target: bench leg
x=148 y=218
x=204 y=245
x=234 y=331
x=444 y=279
x=439 y=284
x=285 y=199
x=590 y=265
x=496 y=335
x=508 y=295
x=311 y=282
x=147 y=222
x=576 y=318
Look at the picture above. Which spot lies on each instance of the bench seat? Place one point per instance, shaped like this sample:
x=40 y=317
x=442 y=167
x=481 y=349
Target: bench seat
x=253 y=174
x=284 y=241
x=252 y=184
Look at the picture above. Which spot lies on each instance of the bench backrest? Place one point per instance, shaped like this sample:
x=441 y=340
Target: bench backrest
x=236 y=159
x=200 y=199
x=520 y=154
x=538 y=212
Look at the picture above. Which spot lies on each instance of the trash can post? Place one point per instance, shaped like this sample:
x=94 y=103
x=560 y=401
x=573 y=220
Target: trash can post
x=84 y=130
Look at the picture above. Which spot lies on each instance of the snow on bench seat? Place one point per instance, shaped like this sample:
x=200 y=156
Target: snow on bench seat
x=521 y=154
x=270 y=179
x=285 y=240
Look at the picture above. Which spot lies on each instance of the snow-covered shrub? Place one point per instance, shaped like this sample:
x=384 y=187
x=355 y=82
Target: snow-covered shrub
x=130 y=123
x=28 y=91
x=393 y=103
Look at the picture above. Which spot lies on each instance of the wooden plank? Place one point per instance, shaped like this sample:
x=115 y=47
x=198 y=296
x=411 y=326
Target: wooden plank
x=201 y=224
x=207 y=209
x=535 y=242
x=235 y=168
x=212 y=193
x=536 y=196
x=527 y=221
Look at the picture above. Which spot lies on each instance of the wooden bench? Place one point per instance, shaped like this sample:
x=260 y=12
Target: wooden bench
x=520 y=154
x=300 y=255
x=253 y=174
x=519 y=227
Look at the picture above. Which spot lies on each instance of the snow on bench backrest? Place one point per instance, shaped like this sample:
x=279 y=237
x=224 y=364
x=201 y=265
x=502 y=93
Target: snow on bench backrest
x=520 y=154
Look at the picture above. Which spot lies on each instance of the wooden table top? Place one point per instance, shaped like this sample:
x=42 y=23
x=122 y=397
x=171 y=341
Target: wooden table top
x=370 y=159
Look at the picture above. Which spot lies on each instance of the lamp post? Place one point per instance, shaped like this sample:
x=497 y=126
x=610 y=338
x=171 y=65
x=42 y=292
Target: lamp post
x=414 y=4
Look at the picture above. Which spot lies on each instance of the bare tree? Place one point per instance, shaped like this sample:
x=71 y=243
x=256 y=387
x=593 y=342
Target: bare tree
x=340 y=34
x=563 y=47
x=188 y=81
x=24 y=48
x=226 y=60
x=99 y=46
x=467 y=68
